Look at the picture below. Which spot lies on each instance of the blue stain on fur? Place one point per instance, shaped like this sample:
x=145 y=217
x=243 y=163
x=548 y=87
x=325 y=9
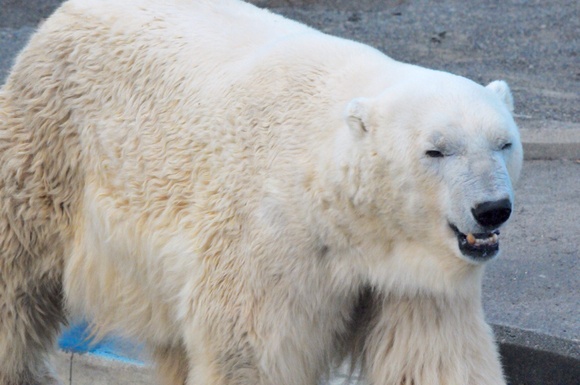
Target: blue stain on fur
x=77 y=339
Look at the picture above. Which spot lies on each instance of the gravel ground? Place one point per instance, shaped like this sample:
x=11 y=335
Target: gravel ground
x=533 y=45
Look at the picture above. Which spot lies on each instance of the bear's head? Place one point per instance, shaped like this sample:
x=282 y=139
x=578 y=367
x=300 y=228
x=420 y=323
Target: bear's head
x=433 y=159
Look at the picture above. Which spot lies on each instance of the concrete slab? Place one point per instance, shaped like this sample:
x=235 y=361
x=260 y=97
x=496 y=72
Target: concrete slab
x=11 y=42
x=17 y=13
x=531 y=358
x=550 y=139
x=534 y=284
x=87 y=369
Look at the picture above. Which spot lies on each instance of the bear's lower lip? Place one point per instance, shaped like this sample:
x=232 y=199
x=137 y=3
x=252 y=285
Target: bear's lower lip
x=479 y=246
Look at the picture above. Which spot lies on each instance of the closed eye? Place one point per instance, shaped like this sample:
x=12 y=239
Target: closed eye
x=434 y=154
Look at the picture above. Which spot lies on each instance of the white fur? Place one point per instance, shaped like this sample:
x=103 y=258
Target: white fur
x=233 y=181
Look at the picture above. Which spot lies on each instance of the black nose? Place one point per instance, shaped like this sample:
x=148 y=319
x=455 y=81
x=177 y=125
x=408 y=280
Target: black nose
x=492 y=214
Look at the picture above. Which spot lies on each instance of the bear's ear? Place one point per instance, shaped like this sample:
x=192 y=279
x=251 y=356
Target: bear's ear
x=357 y=114
x=502 y=90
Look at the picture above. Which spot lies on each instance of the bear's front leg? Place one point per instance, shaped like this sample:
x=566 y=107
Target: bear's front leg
x=30 y=318
x=31 y=308
x=234 y=337
x=430 y=340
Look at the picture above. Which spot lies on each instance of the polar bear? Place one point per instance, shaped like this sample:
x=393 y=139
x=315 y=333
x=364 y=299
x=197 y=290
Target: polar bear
x=251 y=198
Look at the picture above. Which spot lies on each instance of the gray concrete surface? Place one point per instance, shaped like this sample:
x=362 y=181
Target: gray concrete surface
x=535 y=283
x=86 y=369
x=532 y=291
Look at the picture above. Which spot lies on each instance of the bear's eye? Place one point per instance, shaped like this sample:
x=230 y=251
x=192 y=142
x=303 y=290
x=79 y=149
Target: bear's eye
x=434 y=154
x=506 y=146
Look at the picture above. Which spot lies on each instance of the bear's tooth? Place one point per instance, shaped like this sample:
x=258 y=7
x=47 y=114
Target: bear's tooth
x=471 y=239
x=494 y=238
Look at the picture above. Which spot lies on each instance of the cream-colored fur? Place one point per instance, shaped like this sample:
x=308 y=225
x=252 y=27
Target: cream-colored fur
x=248 y=196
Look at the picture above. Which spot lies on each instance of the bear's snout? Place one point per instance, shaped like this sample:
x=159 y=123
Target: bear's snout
x=492 y=214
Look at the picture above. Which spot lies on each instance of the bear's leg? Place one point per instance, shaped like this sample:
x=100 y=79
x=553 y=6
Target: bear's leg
x=219 y=352
x=31 y=313
x=171 y=364
x=430 y=341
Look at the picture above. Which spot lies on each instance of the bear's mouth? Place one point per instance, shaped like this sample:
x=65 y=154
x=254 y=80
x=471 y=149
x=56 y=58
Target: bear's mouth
x=478 y=246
